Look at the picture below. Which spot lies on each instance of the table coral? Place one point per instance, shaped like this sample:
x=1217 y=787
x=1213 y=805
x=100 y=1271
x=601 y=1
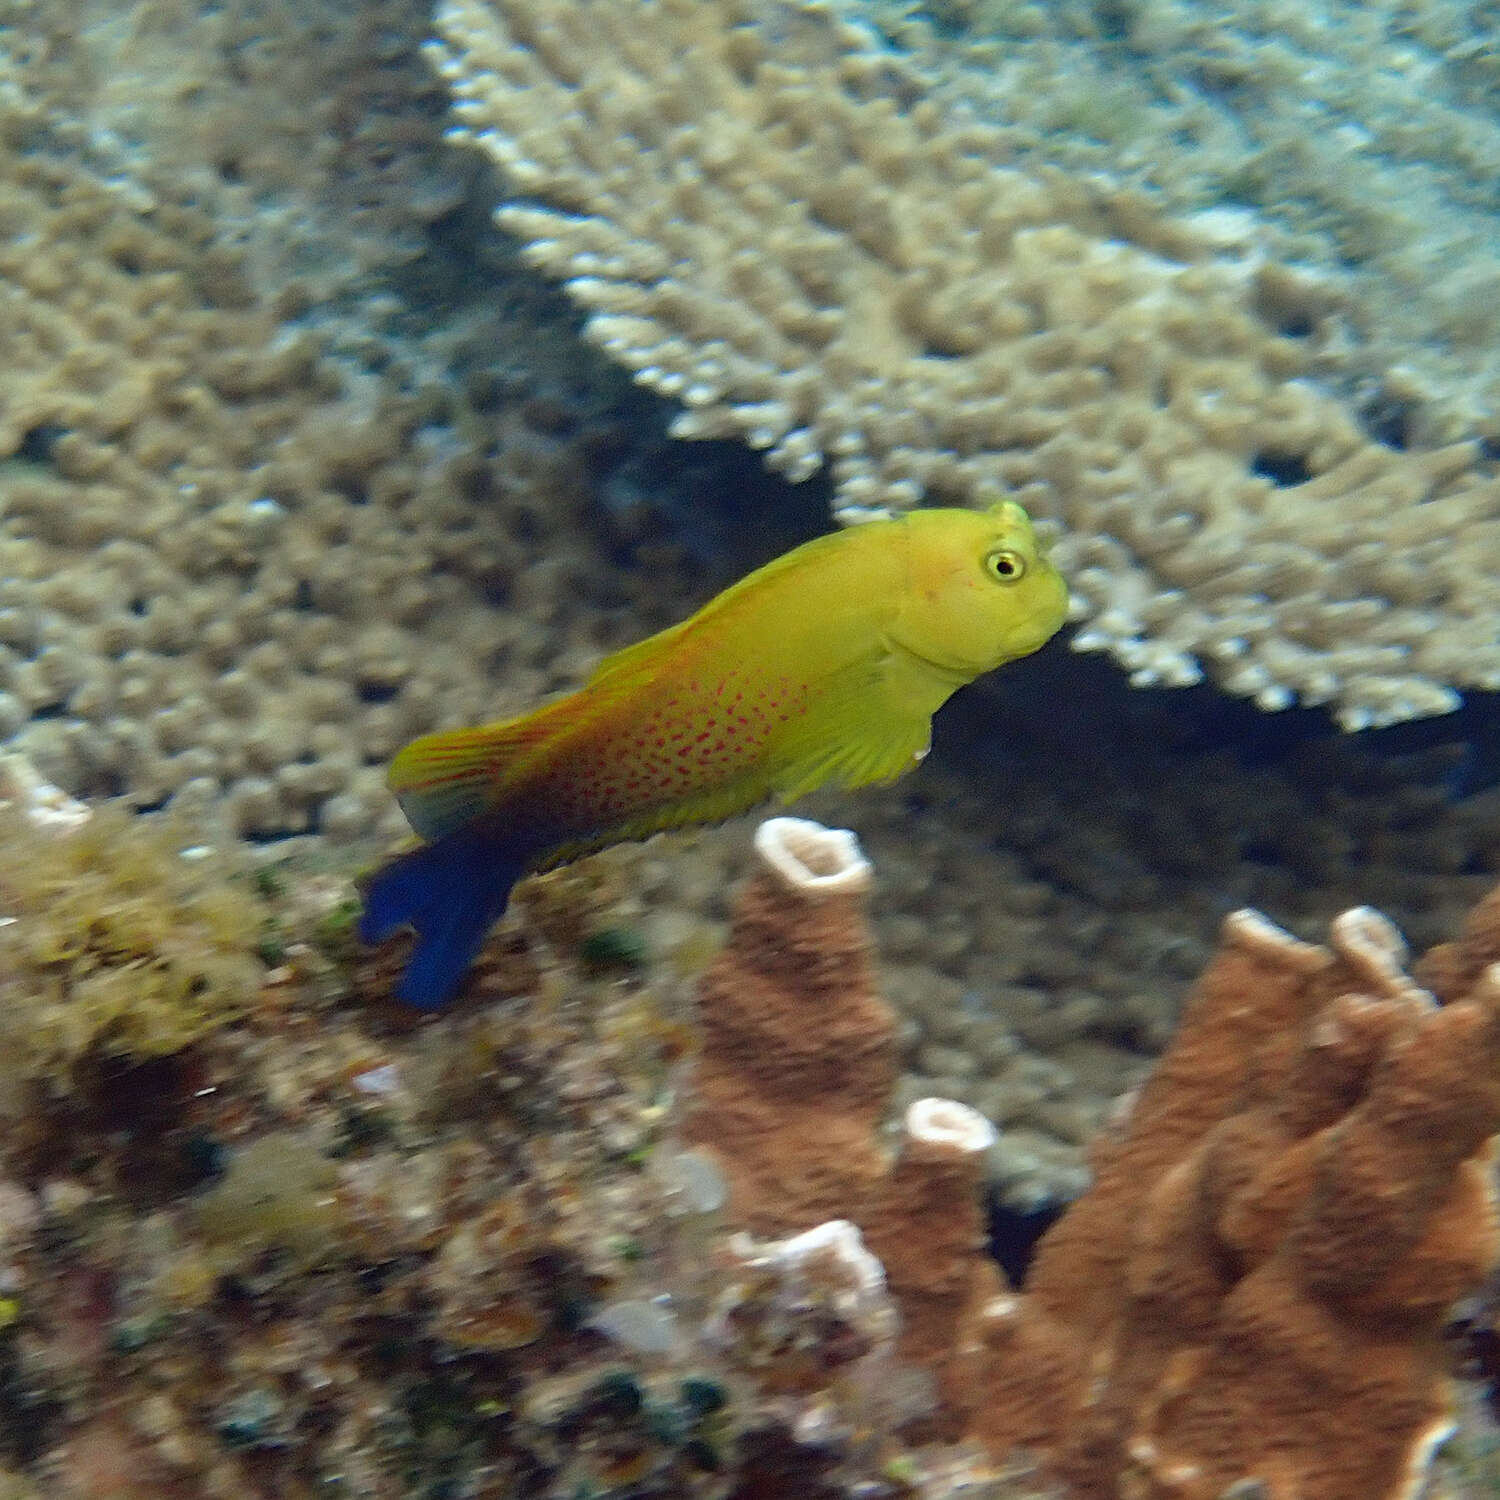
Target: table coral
x=1358 y=140
x=841 y=271
x=1256 y=1285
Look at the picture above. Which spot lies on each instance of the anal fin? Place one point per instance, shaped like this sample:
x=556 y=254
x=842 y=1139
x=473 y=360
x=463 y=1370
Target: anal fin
x=448 y=779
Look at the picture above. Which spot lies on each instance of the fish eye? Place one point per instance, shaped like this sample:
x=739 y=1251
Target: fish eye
x=1005 y=566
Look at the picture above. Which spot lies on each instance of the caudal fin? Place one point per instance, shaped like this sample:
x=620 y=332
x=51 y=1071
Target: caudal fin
x=452 y=891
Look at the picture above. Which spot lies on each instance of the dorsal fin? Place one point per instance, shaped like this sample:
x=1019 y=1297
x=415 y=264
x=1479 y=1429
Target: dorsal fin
x=644 y=654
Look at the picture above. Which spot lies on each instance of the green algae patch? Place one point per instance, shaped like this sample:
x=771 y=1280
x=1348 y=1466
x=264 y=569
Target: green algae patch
x=279 y=1193
x=119 y=937
x=613 y=949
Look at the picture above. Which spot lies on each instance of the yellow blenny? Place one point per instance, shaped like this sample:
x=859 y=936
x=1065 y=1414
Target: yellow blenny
x=825 y=665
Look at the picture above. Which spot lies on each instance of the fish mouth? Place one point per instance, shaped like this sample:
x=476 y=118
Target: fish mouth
x=957 y=673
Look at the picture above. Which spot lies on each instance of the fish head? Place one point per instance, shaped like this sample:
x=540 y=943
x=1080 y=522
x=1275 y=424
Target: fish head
x=979 y=591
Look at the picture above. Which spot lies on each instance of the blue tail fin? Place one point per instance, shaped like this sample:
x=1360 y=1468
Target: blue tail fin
x=452 y=891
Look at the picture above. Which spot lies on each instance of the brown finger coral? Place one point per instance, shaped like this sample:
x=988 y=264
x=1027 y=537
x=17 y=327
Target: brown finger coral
x=798 y=1045
x=771 y=218
x=795 y=1076
x=1256 y=1284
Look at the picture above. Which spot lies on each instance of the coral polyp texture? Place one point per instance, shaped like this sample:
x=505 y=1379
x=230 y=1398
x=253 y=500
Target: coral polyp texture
x=1358 y=139
x=308 y=126
x=769 y=217
x=236 y=572
x=1256 y=1285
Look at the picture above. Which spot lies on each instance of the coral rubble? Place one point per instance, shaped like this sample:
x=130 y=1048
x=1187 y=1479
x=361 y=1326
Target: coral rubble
x=769 y=218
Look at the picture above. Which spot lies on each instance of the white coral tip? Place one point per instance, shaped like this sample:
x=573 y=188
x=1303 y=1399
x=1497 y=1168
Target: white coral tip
x=812 y=859
x=947 y=1124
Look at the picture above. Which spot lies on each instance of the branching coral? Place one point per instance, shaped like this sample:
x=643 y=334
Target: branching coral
x=227 y=569
x=766 y=221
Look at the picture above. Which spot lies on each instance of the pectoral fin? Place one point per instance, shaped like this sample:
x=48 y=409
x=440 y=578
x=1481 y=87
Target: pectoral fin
x=869 y=723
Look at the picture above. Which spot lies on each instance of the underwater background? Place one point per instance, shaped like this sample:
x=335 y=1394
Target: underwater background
x=302 y=454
